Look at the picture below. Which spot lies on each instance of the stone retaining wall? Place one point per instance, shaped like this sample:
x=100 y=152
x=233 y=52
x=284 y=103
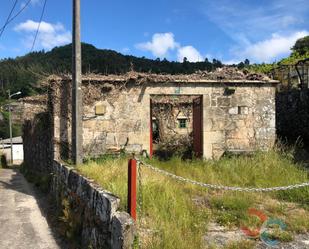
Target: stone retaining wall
x=90 y=210
x=90 y=213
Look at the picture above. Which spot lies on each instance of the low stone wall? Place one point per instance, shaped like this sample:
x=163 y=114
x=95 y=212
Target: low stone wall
x=90 y=211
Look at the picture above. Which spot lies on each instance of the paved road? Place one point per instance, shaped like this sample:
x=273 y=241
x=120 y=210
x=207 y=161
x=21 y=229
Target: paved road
x=22 y=225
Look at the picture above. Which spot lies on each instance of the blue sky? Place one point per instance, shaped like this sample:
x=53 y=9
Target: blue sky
x=261 y=30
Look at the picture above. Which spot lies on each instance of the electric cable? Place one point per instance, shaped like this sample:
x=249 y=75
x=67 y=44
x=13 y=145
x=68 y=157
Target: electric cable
x=38 y=29
x=8 y=18
x=17 y=14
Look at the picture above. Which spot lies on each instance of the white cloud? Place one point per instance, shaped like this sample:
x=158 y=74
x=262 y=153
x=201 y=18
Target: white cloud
x=260 y=32
x=160 y=44
x=190 y=53
x=45 y=27
x=269 y=49
x=254 y=21
x=231 y=62
x=50 y=35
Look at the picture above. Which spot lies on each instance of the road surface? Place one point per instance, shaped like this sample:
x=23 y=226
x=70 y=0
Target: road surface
x=22 y=224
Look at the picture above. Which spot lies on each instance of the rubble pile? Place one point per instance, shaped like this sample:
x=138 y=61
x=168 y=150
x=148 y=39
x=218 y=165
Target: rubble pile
x=220 y=74
x=233 y=73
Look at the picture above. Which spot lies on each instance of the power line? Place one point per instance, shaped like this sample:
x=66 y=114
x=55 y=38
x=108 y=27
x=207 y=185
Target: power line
x=37 y=31
x=17 y=14
x=8 y=18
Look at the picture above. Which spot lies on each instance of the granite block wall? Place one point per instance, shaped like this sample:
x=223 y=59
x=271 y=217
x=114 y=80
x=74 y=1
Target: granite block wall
x=92 y=211
x=237 y=116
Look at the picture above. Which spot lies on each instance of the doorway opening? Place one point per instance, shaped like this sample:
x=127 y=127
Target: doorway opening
x=176 y=126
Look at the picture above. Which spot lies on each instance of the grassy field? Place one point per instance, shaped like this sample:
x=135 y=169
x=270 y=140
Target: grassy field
x=176 y=215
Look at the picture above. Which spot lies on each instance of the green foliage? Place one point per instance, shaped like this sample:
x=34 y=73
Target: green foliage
x=175 y=214
x=175 y=146
x=72 y=221
x=42 y=181
x=294 y=58
x=300 y=51
x=231 y=209
x=262 y=68
x=278 y=234
x=300 y=196
x=298 y=221
x=301 y=46
x=3 y=161
x=243 y=244
x=23 y=73
x=5 y=129
x=165 y=202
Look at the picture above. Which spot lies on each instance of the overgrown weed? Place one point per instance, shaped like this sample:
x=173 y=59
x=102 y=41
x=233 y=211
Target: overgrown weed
x=176 y=214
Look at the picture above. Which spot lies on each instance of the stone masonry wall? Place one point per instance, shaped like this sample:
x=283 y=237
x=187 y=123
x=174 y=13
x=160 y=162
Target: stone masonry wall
x=236 y=116
x=242 y=121
x=38 y=144
x=91 y=211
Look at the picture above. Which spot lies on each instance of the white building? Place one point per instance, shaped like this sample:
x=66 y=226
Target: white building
x=18 y=149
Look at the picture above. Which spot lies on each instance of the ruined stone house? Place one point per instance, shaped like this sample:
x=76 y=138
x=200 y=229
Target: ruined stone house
x=223 y=114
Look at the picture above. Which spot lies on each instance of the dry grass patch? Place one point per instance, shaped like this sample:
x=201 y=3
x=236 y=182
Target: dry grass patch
x=243 y=244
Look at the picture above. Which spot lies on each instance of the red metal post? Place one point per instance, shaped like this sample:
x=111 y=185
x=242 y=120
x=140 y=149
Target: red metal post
x=132 y=188
x=198 y=127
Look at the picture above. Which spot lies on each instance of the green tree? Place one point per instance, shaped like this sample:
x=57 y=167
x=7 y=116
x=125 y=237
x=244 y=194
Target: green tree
x=25 y=72
x=240 y=65
x=301 y=46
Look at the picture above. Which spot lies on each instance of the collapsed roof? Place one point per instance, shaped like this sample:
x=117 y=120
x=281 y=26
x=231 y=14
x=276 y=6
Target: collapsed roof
x=224 y=74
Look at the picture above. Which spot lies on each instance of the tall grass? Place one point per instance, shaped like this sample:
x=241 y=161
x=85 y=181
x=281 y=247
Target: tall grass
x=175 y=214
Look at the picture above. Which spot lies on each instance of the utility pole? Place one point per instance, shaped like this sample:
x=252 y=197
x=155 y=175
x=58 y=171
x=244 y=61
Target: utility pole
x=77 y=105
x=10 y=125
x=10 y=122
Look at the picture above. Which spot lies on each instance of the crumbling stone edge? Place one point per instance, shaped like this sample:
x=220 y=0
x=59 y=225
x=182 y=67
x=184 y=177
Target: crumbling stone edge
x=94 y=210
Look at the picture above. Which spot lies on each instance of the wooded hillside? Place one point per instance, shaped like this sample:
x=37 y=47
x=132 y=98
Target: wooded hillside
x=23 y=73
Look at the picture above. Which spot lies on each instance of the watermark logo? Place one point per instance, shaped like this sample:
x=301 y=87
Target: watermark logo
x=262 y=232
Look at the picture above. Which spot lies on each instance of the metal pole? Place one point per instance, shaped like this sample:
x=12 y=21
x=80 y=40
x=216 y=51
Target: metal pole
x=77 y=136
x=132 y=188
x=10 y=125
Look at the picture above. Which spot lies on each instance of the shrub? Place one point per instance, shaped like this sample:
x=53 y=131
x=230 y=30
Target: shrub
x=175 y=214
x=3 y=160
x=175 y=146
x=42 y=181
